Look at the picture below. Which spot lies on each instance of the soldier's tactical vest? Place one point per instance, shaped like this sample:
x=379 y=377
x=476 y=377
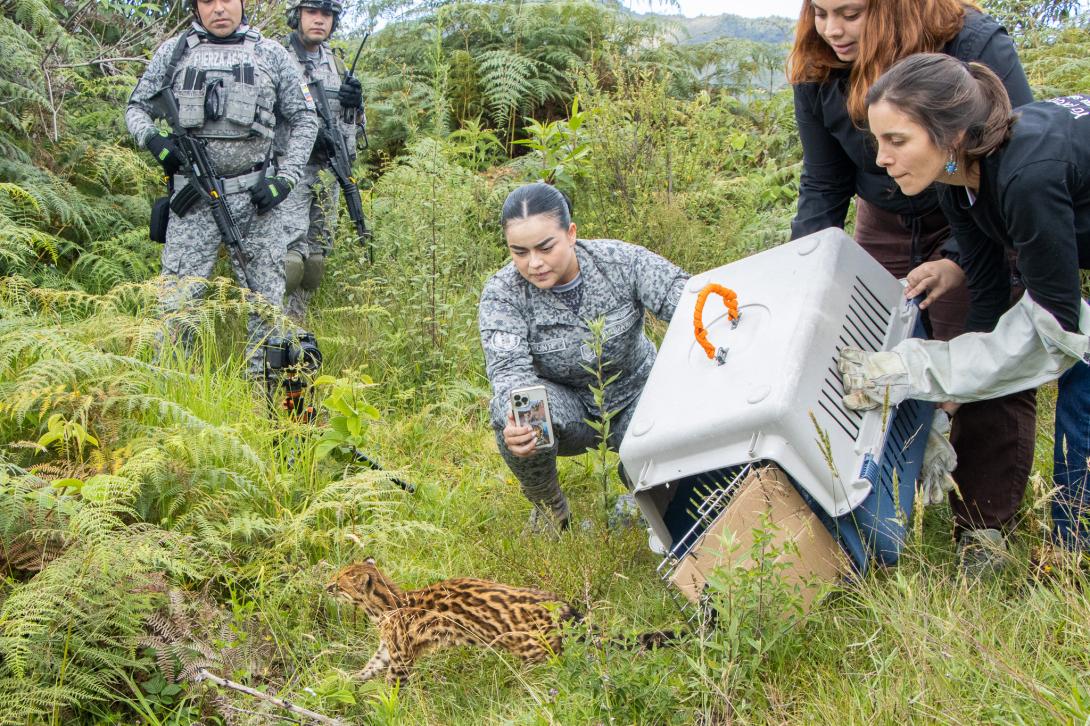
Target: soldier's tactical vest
x=329 y=71
x=222 y=91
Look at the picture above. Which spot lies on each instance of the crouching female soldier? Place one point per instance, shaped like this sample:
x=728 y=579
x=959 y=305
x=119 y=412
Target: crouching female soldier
x=1007 y=180
x=533 y=318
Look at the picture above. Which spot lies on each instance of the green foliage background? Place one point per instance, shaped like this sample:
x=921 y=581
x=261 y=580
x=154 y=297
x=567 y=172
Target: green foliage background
x=154 y=519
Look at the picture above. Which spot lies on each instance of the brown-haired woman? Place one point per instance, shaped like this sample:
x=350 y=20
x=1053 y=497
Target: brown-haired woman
x=1006 y=180
x=841 y=47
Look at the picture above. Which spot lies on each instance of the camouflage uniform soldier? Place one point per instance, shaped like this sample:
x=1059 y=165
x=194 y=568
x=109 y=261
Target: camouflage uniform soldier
x=533 y=321
x=235 y=89
x=313 y=203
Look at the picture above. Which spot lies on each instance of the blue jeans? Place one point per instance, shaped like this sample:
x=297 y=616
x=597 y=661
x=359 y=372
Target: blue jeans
x=1071 y=506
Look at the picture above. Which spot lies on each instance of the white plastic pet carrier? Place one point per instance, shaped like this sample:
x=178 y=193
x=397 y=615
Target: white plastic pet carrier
x=771 y=393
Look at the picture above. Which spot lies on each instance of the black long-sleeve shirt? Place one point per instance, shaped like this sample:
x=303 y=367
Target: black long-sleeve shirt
x=838 y=157
x=1034 y=197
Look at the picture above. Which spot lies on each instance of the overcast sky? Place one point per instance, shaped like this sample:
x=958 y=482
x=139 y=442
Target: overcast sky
x=745 y=8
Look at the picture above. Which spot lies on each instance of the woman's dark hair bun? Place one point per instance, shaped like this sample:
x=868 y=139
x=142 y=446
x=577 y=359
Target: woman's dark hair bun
x=537 y=198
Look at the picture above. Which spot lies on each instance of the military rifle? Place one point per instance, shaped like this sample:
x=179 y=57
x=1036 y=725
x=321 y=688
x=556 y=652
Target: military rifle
x=329 y=135
x=351 y=74
x=203 y=183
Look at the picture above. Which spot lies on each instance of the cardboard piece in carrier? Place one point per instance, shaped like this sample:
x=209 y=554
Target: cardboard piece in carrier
x=819 y=559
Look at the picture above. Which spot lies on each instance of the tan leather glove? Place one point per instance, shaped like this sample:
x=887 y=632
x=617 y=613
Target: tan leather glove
x=939 y=461
x=872 y=379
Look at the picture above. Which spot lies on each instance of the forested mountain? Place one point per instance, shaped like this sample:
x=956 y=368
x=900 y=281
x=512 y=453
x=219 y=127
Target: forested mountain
x=157 y=518
x=705 y=28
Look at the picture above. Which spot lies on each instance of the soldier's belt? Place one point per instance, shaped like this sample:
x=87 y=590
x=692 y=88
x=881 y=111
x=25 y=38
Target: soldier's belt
x=186 y=196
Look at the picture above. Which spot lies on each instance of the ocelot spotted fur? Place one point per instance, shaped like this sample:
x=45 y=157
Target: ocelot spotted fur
x=462 y=611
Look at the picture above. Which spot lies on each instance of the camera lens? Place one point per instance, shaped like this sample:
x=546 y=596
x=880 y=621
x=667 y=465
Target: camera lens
x=300 y=353
x=309 y=354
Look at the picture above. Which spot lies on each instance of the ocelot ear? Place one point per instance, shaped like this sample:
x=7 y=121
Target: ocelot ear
x=369 y=561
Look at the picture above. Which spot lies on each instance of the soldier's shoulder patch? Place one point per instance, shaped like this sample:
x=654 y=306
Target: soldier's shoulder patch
x=307 y=96
x=504 y=341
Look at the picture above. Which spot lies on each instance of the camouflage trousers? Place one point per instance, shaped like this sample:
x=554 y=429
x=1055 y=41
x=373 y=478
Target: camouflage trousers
x=191 y=250
x=312 y=224
x=537 y=474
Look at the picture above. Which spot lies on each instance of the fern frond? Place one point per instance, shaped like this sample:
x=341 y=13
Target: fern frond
x=19 y=205
x=506 y=81
x=33 y=15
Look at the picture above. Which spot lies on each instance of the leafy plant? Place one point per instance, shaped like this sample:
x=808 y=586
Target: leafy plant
x=386 y=707
x=601 y=424
x=350 y=415
x=751 y=613
x=160 y=692
x=64 y=433
x=332 y=692
x=476 y=144
x=562 y=152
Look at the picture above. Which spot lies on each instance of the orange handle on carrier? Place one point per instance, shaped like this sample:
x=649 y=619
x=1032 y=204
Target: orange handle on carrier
x=730 y=298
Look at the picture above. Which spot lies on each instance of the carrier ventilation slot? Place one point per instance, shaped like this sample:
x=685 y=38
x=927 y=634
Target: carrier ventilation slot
x=866 y=297
x=864 y=327
x=867 y=314
x=831 y=401
x=902 y=434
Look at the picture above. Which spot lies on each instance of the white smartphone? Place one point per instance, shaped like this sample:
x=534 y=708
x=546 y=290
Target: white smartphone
x=531 y=408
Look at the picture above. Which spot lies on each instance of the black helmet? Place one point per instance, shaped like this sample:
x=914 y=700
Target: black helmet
x=291 y=10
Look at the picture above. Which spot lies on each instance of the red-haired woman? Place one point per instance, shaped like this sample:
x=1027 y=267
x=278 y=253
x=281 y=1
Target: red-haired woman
x=841 y=47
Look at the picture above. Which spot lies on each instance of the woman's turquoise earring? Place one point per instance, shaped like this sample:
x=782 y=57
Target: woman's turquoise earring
x=951 y=165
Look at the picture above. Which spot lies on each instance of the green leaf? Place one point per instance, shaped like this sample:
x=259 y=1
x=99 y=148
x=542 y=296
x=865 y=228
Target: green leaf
x=154 y=686
x=355 y=426
x=342 y=697
x=340 y=405
x=49 y=438
x=325 y=447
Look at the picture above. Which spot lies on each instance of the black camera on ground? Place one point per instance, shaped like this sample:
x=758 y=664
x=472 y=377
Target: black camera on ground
x=297 y=354
x=289 y=361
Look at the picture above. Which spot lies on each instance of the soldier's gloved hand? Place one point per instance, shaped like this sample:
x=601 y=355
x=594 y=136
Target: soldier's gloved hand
x=872 y=379
x=939 y=460
x=350 y=94
x=269 y=192
x=166 y=151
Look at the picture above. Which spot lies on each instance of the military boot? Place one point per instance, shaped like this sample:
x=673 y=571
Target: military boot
x=549 y=517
